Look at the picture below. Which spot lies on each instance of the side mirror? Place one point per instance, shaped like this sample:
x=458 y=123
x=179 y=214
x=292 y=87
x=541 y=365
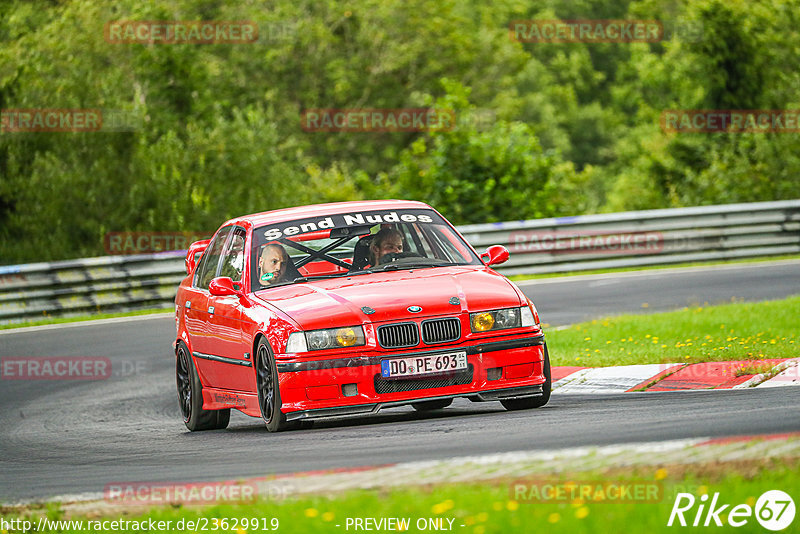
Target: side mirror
x=196 y=250
x=223 y=286
x=495 y=255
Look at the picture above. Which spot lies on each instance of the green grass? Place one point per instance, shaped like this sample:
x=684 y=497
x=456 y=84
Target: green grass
x=524 y=277
x=86 y=317
x=497 y=507
x=739 y=331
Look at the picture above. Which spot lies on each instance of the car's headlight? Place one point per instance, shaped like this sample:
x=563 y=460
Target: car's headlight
x=501 y=319
x=330 y=338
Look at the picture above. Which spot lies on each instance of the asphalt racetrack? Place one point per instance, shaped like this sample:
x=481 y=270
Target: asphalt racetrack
x=74 y=437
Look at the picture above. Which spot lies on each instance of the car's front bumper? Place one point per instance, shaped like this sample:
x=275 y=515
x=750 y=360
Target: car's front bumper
x=366 y=409
x=498 y=368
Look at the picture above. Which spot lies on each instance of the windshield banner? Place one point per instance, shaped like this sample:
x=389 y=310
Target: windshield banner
x=349 y=220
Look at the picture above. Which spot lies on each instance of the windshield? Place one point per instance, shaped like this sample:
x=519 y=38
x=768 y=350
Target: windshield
x=352 y=244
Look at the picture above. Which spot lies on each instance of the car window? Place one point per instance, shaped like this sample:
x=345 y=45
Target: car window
x=207 y=270
x=329 y=246
x=233 y=256
x=446 y=243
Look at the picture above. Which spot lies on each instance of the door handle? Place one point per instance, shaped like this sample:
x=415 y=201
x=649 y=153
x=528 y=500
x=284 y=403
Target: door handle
x=211 y=310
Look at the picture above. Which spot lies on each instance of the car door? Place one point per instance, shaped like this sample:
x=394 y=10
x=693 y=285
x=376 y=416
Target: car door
x=197 y=316
x=232 y=367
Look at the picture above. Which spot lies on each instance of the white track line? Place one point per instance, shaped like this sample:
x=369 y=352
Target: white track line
x=91 y=322
x=655 y=272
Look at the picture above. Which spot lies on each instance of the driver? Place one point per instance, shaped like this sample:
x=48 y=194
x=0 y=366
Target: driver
x=386 y=241
x=272 y=264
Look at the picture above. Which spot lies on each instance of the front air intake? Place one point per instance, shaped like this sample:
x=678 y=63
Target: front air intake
x=395 y=336
x=441 y=330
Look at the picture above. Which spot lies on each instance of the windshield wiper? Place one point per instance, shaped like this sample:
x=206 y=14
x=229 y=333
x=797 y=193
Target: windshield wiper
x=395 y=266
x=301 y=279
x=361 y=271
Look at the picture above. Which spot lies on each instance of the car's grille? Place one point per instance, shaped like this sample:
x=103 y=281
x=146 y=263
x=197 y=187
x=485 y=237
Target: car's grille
x=441 y=330
x=458 y=378
x=394 y=336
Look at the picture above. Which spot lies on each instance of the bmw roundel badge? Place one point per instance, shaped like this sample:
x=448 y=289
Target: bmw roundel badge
x=414 y=309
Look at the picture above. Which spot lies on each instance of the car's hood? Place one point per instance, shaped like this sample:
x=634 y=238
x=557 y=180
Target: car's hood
x=439 y=291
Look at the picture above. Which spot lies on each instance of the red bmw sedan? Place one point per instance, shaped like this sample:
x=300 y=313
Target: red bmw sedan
x=346 y=309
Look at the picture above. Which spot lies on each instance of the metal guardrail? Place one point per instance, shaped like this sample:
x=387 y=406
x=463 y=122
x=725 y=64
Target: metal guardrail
x=643 y=238
x=627 y=239
x=77 y=287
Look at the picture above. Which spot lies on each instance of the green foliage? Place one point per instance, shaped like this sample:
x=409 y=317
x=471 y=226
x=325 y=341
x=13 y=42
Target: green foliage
x=485 y=176
x=573 y=127
x=740 y=62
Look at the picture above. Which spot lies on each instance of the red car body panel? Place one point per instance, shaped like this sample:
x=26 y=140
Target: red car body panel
x=225 y=330
x=338 y=301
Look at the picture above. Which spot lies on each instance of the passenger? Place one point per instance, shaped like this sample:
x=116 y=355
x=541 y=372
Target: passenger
x=272 y=264
x=386 y=241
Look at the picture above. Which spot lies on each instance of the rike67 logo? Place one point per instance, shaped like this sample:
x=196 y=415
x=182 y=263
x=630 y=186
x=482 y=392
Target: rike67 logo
x=774 y=510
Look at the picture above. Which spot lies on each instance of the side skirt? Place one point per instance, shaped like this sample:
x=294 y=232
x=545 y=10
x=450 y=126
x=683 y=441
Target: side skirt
x=219 y=399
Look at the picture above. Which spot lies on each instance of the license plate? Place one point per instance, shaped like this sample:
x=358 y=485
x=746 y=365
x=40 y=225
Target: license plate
x=423 y=365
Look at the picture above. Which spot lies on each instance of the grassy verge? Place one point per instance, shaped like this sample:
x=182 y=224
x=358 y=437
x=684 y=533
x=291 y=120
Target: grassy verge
x=87 y=317
x=501 y=507
x=523 y=277
x=740 y=331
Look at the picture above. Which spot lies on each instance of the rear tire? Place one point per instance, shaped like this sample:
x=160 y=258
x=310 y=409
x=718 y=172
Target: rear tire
x=190 y=396
x=526 y=403
x=430 y=405
x=269 y=394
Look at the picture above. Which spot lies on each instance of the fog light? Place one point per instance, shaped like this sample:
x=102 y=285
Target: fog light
x=346 y=337
x=350 y=390
x=494 y=373
x=481 y=322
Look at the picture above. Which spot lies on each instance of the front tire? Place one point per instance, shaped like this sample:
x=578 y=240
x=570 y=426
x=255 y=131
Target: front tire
x=190 y=396
x=269 y=394
x=534 y=402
